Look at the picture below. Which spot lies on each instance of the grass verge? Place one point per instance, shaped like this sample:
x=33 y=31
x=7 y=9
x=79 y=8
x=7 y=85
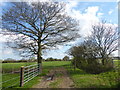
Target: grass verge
x=82 y=79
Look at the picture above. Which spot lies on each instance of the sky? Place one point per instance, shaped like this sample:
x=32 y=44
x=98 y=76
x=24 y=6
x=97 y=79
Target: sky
x=87 y=12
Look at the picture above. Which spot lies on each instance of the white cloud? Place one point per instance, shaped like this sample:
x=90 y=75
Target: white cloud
x=4 y=38
x=100 y=14
x=7 y=51
x=85 y=19
x=10 y=0
x=36 y=0
x=115 y=53
x=11 y=36
x=92 y=10
x=93 y=0
x=110 y=12
x=55 y=53
x=118 y=0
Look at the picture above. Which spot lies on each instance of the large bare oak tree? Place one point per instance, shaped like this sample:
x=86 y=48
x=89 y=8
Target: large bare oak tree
x=38 y=26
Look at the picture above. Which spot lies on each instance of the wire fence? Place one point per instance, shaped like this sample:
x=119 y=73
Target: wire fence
x=10 y=82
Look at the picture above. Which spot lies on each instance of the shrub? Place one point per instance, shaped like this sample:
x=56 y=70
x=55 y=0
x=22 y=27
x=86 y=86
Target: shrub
x=93 y=67
x=96 y=69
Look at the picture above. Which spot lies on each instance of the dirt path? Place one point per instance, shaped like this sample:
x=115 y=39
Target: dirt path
x=60 y=79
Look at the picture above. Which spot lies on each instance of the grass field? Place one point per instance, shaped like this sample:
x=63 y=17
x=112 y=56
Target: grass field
x=117 y=63
x=9 y=67
x=85 y=80
x=80 y=78
x=104 y=80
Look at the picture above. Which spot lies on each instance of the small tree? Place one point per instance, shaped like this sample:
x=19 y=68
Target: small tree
x=78 y=54
x=66 y=58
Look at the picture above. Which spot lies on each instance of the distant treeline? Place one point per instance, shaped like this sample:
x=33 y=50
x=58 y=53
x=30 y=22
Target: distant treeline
x=117 y=58
x=34 y=60
x=48 y=59
x=114 y=58
x=16 y=61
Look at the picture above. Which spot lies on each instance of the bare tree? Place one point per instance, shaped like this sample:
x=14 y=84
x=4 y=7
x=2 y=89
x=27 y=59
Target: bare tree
x=105 y=37
x=93 y=55
x=39 y=26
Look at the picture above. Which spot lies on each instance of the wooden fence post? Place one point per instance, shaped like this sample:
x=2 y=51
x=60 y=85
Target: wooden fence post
x=39 y=68
x=22 y=76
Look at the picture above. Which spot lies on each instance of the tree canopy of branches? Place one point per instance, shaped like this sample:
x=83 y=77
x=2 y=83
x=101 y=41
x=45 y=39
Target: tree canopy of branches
x=94 y=53
x=38 y=26
x=105 y=37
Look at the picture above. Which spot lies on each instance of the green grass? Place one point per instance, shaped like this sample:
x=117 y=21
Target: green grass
x=9 y=67
x=84 y=80
x=14 y=82
x=80 y=78
x=17 y=83
x=47 y=66
x=116 y=60
x=32 y=82
x=53 y=64
x=110 y=78
x=117 y=63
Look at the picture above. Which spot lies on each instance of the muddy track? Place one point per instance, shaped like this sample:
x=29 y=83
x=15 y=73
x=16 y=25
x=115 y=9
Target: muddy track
x=56 y=78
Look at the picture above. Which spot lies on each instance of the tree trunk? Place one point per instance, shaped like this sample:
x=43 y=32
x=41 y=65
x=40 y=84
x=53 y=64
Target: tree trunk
x=39 y=58
x=103 y=61
x=103 y=58
x=75 y=65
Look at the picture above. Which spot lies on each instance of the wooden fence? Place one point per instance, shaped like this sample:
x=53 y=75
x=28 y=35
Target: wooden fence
x=27 y=73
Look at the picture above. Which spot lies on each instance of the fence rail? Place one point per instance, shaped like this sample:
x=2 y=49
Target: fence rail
x=28 y=73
